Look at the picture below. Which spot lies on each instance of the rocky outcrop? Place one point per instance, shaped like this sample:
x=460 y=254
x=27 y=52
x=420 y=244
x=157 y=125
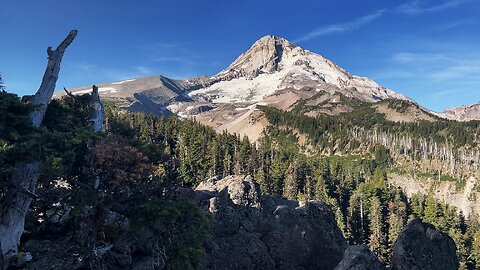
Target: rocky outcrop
x=359 y=257
x=421 y=246
x=247 y=231
x=463 y=113
x=264 y=56
x=251 y=231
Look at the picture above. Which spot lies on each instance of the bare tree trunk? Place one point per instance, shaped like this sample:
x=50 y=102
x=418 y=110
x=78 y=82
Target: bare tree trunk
x=45 y=92
x=15 y=205
x=23 y=181
x=97 y=114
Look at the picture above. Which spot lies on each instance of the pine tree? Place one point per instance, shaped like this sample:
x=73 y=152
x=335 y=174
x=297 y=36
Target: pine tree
x=432 y=211
x=417 y=205
x=215 y=153
x=476 y=248
x=397 y=216
x=291 y=182
x=227 y=163
x=377 y=239
x=277 y=173
x=356 y=219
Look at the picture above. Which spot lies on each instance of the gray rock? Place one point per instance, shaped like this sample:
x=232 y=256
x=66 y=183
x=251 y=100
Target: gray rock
x=24 y=257
x=421 y=246
x=59 y=214
x=116 y=221
x=240 y=191
x=359 y=257
x=251 y=231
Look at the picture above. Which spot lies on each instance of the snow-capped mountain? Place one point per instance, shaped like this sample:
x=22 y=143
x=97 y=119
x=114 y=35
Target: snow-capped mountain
x=273 y=72
x=270 y=65
x=274 y=63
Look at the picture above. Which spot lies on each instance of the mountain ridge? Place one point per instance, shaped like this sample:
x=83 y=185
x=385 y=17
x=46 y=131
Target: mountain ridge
x=463 y=112
x=272 y=65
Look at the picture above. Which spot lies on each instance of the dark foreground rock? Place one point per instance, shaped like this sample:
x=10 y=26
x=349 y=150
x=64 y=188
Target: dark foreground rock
x=244 y=230
x=262 y=232
x=359 y=257
x=421 y=246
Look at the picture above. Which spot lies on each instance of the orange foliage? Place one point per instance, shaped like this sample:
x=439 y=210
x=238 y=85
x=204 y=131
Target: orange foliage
x=120 y=161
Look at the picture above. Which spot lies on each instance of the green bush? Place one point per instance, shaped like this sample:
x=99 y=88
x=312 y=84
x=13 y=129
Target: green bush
x=179 y=226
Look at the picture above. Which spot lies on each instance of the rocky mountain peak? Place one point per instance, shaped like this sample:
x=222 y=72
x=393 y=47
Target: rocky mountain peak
x=263 y=57
x=273 y=40
x=270 y=65
x=274 y=63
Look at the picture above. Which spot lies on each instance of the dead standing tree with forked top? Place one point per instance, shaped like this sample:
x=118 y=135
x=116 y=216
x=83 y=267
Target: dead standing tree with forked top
x=23 y=181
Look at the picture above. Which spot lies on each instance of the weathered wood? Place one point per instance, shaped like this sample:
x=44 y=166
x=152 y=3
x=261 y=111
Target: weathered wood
x=68 y=93
x=15 y=205
x=46 y=89
x=97 y=113
x=23 y=181
x=93 y=105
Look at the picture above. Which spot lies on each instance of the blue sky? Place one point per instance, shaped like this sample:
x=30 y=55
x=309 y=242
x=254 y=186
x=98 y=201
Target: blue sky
x=428 y=50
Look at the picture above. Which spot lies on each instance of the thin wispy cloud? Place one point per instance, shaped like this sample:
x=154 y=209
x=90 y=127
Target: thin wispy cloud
x=342 y=27
x=439 y=67
x=417 y=7
x=161 y=45
x=464 y=72
x=436 y=75
x=424 y=58
x=182 y=60
x=464 y=22
x=394 y=74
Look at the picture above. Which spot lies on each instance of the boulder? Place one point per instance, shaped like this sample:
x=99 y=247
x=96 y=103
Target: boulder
x=116 y=221
x=58 y=216
x=421 y=246
x=253 y=231
x=241 y=190
x=359 y=257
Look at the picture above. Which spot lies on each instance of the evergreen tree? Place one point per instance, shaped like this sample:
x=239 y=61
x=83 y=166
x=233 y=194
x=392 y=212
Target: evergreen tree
x=432 y=212
x=377 y=240
x=417 y=205
x=475 y=252
x=397 y=216
x=321 y=191
x=277 y=173
x=357 y=219
x=291 y=182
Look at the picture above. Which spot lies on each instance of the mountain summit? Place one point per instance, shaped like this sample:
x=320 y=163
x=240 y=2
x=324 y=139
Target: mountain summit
x=263 y=57
x=274 y=63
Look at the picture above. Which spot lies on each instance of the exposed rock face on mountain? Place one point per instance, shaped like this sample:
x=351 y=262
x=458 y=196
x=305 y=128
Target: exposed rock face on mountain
x=359 y=257
x=464 y=200
x=274 y=63
x=149 y=94
x=463 y=113
x=261 y=232
x=421 y=246
x=263 y=57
